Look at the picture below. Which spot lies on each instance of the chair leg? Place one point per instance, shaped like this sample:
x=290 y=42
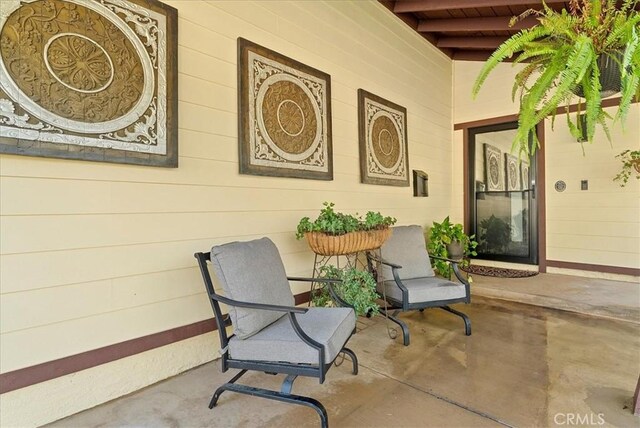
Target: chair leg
x=223 y=388
x=403 y=326
x=467 y=321
x=287 y=385
x=280 y=396
x=354 y=359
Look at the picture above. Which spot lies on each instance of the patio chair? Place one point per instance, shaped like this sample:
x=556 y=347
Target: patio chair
x=408 y=282
x=271 y=335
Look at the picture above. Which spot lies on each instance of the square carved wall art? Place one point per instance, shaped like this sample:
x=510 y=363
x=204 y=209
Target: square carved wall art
x=88 y=79
x=383 y=141
x=524 y=171
x=284 y=115
x=512 y=172
x=493 y=168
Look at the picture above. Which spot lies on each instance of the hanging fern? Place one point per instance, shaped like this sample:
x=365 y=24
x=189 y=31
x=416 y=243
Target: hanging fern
x=562 y=54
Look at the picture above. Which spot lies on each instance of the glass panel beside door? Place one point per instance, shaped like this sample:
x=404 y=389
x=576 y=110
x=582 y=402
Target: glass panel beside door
x=502 y=196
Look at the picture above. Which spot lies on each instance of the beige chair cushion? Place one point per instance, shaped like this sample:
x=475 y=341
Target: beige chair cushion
x=406 y=247
x=279 y=342
x=422 y=290
x=252 y=272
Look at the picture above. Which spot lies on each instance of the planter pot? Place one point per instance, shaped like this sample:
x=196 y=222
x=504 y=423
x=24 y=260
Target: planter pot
x=455 y=250
x=349 y=243
x=609 y=66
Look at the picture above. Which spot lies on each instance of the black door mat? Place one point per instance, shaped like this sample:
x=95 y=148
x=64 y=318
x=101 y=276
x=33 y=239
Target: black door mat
x=498 y=272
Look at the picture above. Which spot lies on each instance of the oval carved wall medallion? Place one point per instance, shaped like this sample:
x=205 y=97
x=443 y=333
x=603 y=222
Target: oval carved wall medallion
x=385 y=142
x=78 y=63
x=89 y=79
x=288 y=117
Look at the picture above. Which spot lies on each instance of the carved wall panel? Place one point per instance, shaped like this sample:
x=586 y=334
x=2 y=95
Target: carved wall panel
x=524 y=172
x=284 y=115
x=493 y=168
x=383 y=141
x=88 y=79
x=512 y=172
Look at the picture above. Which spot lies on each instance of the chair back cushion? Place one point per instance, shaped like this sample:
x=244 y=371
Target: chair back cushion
x=406 y=247
x=252 y=272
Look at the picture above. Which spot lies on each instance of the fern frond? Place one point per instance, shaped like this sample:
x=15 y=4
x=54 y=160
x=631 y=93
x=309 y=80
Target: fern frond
x=507 y=49
x=630 y=81
x=603 y=122
x=573 y=129
x=577 y=65
x=522 y=77
x=593 y=99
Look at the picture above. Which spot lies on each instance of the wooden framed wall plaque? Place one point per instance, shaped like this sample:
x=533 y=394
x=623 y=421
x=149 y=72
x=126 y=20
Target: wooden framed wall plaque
x=512 y=172
x=382 y=127
x=493 y=168
x=284 y=116
x=88 y=79
x=524 y=172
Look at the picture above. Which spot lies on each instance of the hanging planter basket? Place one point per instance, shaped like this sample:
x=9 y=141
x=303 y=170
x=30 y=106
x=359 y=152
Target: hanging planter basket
x=609 y=66
x=349 y=243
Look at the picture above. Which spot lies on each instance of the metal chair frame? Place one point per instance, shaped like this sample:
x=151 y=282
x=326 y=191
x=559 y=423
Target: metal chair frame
x=292 y=370
x=404 y=305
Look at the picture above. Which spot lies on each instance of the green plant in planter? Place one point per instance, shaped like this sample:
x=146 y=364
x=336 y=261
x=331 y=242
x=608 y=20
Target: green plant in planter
x=334 y=223
x=565 y=54
x=358 y=288
x=442 y=235
x=630 y=161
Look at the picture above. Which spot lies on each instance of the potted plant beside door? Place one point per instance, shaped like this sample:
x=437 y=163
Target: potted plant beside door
x=591 y=50
x=448 y=240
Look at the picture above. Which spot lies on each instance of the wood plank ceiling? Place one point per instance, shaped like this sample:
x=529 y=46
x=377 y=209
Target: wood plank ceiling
x=467 y=29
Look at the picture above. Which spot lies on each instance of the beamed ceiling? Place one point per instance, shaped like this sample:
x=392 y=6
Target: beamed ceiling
x=467 y=29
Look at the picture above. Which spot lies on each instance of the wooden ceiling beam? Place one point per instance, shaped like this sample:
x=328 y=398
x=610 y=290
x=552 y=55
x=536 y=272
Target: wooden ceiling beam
x=470 y=42
x=471 y=55
x=405 y=6
x=499 y=23
x=412 y=21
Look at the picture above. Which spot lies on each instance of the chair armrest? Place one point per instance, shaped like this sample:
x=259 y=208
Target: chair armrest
x=445 y=259
x=262 y=306
x=456 y=272
x=384 y=262
x=301 y=279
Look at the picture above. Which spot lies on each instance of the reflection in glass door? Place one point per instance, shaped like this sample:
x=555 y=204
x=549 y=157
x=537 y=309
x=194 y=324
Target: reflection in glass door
x=502 y=196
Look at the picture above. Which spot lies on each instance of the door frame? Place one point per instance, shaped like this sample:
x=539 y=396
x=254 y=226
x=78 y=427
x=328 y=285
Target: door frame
x=540 y=184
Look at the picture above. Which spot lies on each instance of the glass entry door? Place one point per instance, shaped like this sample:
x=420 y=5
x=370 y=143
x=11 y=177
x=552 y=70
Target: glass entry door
x=502 y=196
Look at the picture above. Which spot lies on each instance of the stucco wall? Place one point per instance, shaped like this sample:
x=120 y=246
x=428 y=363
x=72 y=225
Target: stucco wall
x=94 y=254
x=599 y=226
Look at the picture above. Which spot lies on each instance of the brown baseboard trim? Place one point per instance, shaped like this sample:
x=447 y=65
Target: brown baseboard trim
x=28 y=376
x=594 y=268
x=302 y=297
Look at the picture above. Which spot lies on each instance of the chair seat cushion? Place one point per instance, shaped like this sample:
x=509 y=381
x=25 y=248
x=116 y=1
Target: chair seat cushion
x=429 y=289
x=278 y=342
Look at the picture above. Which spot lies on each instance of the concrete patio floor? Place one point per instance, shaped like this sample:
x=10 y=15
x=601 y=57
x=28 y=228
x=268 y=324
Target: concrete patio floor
x=523 y=366
x=605 y=298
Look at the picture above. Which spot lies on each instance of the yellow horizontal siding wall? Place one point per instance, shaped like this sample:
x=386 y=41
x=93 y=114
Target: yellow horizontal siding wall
x=601 y=225
x=598 y=226
x=93 y=254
